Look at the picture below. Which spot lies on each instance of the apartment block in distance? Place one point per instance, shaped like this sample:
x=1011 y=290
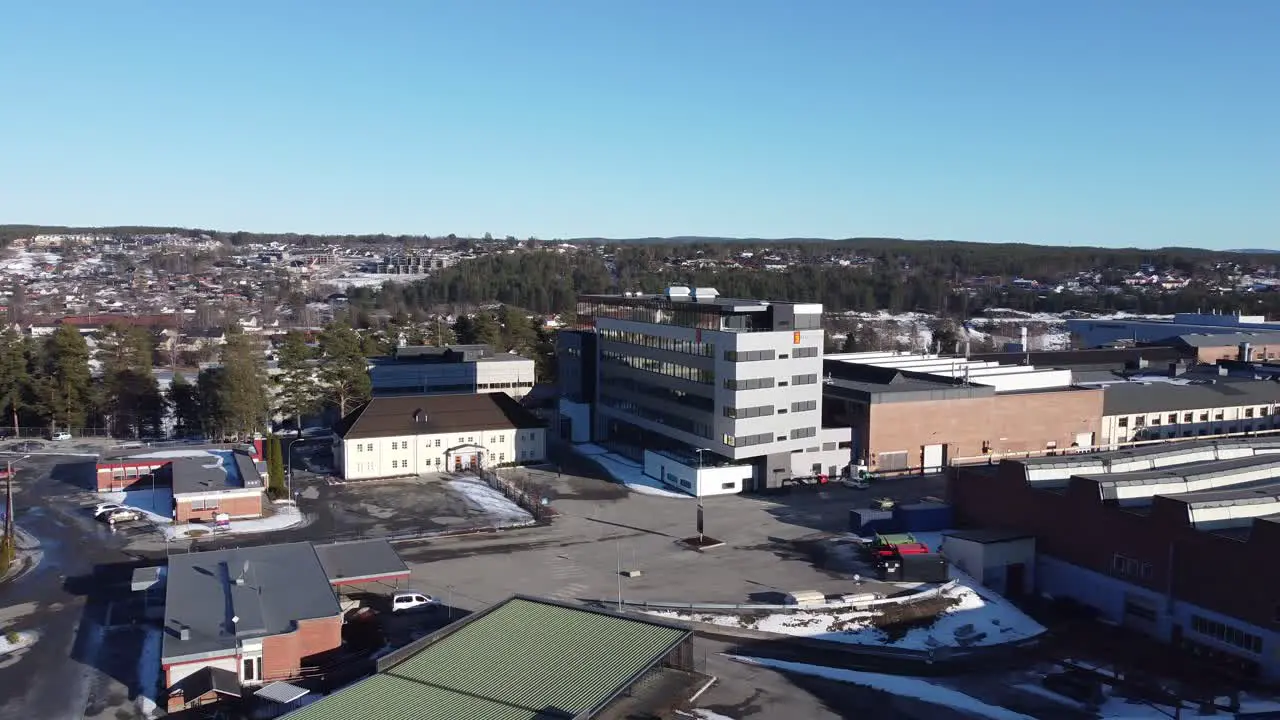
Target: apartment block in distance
x=714 y=395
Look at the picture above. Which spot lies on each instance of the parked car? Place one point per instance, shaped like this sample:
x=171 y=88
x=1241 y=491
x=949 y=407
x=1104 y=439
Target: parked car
x=111 y=517
x=105 y=507
x=60 y=436
x=408 y=600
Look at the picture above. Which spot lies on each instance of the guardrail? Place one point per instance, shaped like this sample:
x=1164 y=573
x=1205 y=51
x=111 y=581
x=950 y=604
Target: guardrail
x=759 y=607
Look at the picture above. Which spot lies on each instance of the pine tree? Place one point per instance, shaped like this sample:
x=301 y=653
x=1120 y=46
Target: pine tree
x=65 y=386
x=487 y=330
x=344 y=369
x=14 y=375
x=129 y=393
x=185 y=400
x=297 y=392
x=275 y=468
x=243 y=385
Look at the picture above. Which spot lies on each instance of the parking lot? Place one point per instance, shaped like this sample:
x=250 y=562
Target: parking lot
x=86 y=661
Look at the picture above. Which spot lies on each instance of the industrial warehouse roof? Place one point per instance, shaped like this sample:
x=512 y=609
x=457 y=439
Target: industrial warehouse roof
x=1214 y=340
x=525 y=659
x=221 y=471
x=432 y=414
x=1130 y=398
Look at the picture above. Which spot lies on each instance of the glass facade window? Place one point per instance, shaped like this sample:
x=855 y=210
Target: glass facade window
x=800 y=433
x=748 y=355
x=807 y=379
x=748 y=412
x=805 y=352
x=696 y=402
x=747 y=440
x=804 y=406
x=657 y=311
x=658 y=367
x=654 y=415
x=657 y=342
x=749 y=384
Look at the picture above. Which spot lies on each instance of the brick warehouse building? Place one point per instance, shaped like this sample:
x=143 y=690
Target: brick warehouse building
x=1176 y=541
x=204 y=483
x=242 y=617
x=922 y=412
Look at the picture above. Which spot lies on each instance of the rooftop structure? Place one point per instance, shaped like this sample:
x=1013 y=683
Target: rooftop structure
x=524 y=659
x=1000 y=377
x=426 y=369
x=1091 y=332
x=434 y=414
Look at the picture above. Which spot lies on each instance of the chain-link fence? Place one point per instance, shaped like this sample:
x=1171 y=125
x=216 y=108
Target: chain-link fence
x=518 y=486
x=44 y=432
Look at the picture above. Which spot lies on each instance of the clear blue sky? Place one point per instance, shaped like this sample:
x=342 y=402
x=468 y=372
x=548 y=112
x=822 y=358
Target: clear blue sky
x=1147 y=122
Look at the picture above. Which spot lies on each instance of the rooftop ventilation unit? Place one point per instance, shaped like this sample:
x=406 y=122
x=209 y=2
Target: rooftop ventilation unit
x=705 y=293
x=678 y=292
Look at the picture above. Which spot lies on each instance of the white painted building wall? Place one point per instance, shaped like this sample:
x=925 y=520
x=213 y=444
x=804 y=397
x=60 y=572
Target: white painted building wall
x=723 y=480
x=1189 y=423
x=365 y=458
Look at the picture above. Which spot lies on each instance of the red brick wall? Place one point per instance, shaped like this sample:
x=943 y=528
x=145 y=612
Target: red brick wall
x=284 y=655
x=1009 y=423
x=1240 y=579
x=107 y=472
x=235 y=507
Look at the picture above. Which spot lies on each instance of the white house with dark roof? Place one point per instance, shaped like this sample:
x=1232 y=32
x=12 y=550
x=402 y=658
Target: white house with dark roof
x=416 y=434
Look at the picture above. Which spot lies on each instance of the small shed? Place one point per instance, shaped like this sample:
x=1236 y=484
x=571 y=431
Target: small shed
x=1002 y=560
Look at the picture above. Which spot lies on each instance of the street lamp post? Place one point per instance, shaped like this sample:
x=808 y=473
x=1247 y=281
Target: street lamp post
x=697 y=490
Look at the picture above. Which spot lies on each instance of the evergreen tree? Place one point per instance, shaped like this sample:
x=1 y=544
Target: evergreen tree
x=185 y=399
x=344 y=369
x=129 y=393
x=65 y=386
x=518 y=333
x=212 y=414
x=243 y=385
x=487 y=330
x=275 y=467
x=14 y=375
x=297 y=392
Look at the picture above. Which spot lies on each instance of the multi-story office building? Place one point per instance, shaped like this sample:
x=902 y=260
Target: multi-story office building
x=426 y=370
x=718 y=394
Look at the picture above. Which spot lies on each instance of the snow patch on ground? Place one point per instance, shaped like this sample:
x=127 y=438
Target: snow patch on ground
x=156 y=505
x=284 y=516
x=149 y=673
x=894 y=685
x=979 y=618
x=491 y=502
x=708 y=715
x=628 y=472
x=19 y=641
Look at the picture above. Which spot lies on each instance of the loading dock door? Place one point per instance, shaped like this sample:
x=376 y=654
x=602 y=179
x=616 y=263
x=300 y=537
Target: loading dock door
x=933 y=458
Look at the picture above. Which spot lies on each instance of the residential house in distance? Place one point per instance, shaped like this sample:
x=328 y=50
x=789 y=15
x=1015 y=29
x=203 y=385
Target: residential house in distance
x=243 y=617
x=430 y=370
x=415 y=434
x=713 y=395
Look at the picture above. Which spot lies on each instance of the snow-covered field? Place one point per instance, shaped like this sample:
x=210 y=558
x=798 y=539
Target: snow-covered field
x=628 y=472
x=978 y=618
x=491 y=502
x=897 y=685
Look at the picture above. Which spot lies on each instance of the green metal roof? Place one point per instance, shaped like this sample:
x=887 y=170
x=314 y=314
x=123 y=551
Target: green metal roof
x=522 y=660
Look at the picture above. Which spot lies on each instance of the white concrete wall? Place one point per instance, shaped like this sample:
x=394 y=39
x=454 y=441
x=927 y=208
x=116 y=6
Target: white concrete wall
x=1154 y=426
x=366 y=458
x=178 y=672
x=709 y=481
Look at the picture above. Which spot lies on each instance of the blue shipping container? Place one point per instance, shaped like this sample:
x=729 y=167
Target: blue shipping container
x=865 y=521
x=924 y=517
